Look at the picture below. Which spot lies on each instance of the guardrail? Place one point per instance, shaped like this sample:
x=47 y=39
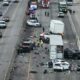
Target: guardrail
x=74 y=30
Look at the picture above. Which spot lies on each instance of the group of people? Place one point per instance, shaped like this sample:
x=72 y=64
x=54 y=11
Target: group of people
x=46 y=13
x=39 y=43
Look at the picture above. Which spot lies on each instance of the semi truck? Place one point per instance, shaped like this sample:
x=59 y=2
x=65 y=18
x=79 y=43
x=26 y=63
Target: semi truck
x=56 y=47
x=62 y=6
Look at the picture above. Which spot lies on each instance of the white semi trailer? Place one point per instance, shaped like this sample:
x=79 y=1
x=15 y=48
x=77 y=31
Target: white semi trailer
x=56 y=47
x=56 y=27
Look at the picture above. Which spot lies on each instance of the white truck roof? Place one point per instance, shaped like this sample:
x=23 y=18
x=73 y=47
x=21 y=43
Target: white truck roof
x=56 y=26
x=56 y=40
x=52 y=52
x=62 y=2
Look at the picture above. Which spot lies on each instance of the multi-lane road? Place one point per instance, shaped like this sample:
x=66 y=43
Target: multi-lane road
x=32 y=62
x=25 y=63
x=16 y=12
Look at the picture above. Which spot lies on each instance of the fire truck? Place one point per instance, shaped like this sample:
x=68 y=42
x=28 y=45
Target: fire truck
x=45 y=3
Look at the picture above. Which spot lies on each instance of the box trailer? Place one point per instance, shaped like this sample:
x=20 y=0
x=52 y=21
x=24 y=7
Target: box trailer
x=56 y=27
x=56 y=46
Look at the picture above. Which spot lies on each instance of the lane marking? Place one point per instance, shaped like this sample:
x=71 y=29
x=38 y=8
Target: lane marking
x=16 y=10
x=5 y=10
x=29 y=67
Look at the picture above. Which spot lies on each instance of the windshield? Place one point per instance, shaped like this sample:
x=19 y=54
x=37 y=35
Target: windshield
x=63 y=5
x=57 y=64
x=26 y=44
x=34 y=21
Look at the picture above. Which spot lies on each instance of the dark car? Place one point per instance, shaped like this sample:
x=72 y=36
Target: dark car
x=15 y=1
x=6 y=19
x=0 y=34
x=0 y=13
x=78 y=67
x=1 y=0
x=25 y=46
x=71 y=54
x=68 y=54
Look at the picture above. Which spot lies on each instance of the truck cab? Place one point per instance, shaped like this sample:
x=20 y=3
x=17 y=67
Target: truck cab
x=62 y=6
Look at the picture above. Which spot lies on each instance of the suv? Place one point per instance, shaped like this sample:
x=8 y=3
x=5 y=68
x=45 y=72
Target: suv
x=61 y=14
x=2 y=24
x=61 y=65
x=25 y=46
x=5 y=3
x=71 y=54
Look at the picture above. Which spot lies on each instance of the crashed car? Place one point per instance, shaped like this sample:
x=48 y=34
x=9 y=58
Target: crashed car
x=61 y=65
x=25 y=46
x=78 y=67
x=6 y=19
x=71 y=54
x=44 y=38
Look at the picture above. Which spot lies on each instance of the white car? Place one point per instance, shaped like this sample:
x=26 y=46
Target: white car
x=61 y=14
x=61 y=65
x=33 y=23
x=2 y=24
x=5 y=3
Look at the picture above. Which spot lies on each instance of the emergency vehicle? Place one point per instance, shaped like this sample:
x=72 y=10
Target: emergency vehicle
x=45 y=3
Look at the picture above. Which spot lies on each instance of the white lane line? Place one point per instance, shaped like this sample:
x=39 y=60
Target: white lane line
x=74 y=30
x=5 y=10
x=65 y=41
x=14 y=14
x=29 y=67
x=1 y=4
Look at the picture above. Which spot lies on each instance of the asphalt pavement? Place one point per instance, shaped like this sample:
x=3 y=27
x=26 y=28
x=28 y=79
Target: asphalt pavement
x=10 y=38
x=31 y=61
x=76 y=19
x=69 y=41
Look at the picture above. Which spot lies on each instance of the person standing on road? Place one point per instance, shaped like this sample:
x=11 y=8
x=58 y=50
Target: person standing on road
x=45 y=13
x=37 y=43
x=41 y=43
x=43 y=29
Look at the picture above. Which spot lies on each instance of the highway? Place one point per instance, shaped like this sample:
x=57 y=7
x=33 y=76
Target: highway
x=69 y=35
x=26 y=62
x=11 y=36
x=69 y=41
